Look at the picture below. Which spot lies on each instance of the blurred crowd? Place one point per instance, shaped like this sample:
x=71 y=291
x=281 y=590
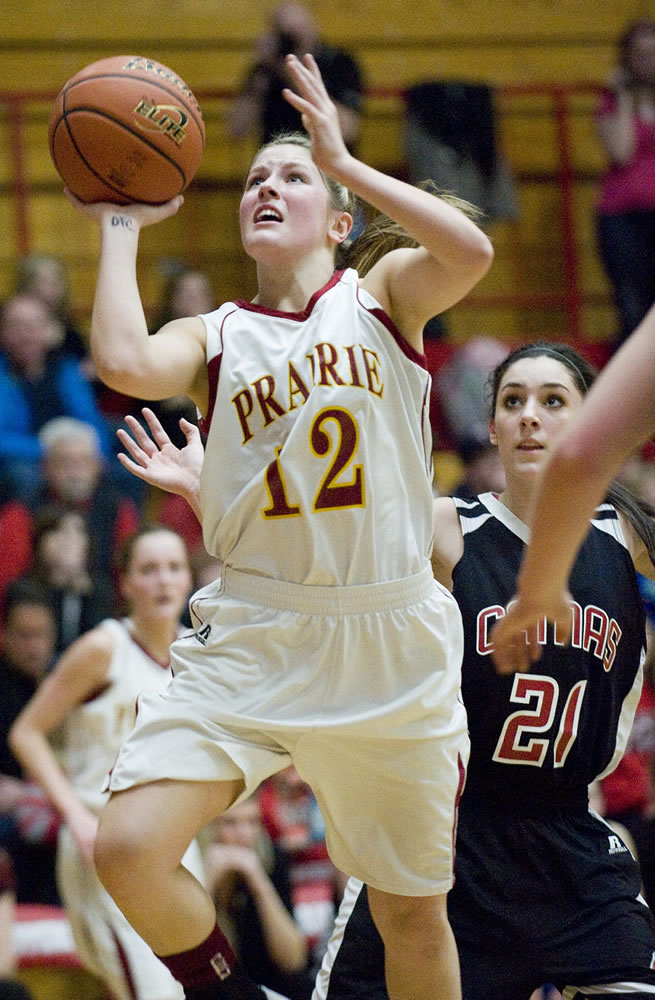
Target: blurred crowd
x=67 y=507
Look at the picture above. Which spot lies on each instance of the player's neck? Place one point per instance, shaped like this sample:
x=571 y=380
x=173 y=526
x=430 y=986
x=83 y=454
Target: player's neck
x=155 y=637
x=290 y=289
x=519 y=501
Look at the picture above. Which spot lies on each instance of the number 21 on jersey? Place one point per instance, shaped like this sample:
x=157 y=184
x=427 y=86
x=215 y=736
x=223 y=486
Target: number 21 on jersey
x=518 y=742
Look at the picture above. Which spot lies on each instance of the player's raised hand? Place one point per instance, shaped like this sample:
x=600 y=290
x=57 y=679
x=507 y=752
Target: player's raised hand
x=319 y=115
x=135 y=215
x=156 y=460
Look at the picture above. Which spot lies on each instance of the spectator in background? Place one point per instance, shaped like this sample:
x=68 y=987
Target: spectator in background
x=187 y=292
x=45 y=276
x=74 y=475
x=26 y=652
x=294 y=823
x=176 y=514
x=81 y=591
x=261 y=111
x=459 y=390
x=37 y=383
x=452 y=138
x=625 y=122
x=483 y=470
x=28 y=825
x=248 y=877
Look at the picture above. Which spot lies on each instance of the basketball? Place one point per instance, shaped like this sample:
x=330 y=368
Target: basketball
x=126 y=129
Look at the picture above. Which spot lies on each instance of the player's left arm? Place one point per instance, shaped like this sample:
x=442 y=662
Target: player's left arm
x=413 y=285
x=453 y=254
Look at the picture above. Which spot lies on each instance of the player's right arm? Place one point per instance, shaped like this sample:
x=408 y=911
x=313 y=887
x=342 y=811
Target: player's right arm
x=126 y=358
x=82 y=670
x=448 y=540
x=154 y=458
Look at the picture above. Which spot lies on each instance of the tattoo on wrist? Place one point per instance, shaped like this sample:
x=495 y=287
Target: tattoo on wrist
x=123 y=220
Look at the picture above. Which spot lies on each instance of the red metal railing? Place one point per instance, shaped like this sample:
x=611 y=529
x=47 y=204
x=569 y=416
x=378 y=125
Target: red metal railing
x=560 y=96
x=16 y=105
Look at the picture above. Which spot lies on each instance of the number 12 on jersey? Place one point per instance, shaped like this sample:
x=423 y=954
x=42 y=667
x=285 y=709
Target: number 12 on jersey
x=332 y=493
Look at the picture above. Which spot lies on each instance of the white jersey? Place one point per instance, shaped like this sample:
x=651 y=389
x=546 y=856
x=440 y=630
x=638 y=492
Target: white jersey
x=93 y=731
x=92 y=735
x=318 y=460
x=327 y=643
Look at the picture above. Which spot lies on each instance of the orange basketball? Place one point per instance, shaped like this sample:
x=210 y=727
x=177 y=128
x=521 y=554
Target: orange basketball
x=126 y=129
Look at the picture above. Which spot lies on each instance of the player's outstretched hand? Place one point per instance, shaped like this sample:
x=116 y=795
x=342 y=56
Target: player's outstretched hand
x=515 y=638
x=140 y=213
x=156 y=460
x=319 y=114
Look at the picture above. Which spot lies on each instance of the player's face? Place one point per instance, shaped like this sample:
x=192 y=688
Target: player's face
x=72 y=469
x=285 y=206
x=157 y=581
x=641 y=57
x=28 y=331
x=536 y=398
x=29 y=639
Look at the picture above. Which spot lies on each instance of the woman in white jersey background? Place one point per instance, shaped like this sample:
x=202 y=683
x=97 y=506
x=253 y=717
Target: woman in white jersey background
x=326 y=643
x=87 y=706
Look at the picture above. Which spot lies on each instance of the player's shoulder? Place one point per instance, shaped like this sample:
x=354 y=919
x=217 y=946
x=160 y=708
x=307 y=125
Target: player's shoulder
x=610 y=523
x=89 y=655
x=468 y=504
x=114 y=628
x=472 y=511
x=104 y=638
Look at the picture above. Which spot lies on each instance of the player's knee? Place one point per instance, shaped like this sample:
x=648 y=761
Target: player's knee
x=117 y=852
x=409 y=918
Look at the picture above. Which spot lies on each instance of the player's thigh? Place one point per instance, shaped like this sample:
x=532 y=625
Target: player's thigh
x=162 y=817
x=389 y=806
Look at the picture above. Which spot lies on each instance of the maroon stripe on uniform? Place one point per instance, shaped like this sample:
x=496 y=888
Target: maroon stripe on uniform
x=460 y=789
x=126 y=967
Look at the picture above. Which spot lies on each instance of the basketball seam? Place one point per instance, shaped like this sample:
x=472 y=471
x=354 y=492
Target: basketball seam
x=137 y=135
x=198 y=120
x=63 y=119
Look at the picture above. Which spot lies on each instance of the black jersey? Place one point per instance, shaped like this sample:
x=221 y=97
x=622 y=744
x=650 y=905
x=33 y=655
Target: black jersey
x=545 y=890
x=541 y=737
